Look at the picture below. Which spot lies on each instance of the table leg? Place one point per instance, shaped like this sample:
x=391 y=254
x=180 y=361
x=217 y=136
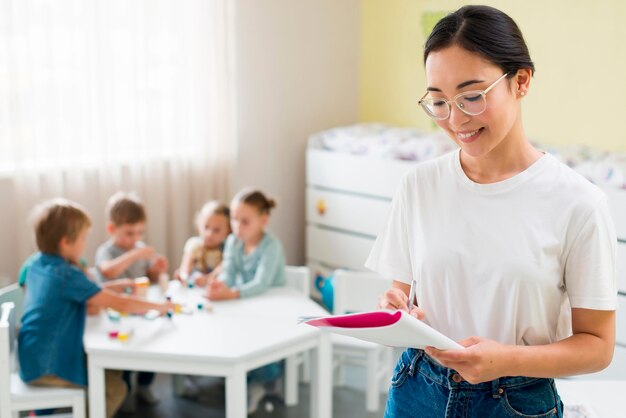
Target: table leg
x=321 y=378
x=236 y=394
x=292 y=364
x=97 y=392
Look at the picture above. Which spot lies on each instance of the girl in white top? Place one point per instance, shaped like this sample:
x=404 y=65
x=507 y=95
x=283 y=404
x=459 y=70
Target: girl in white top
x=513 y=252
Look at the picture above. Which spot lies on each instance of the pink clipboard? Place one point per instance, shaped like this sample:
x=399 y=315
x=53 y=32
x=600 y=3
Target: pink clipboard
x=391 y=328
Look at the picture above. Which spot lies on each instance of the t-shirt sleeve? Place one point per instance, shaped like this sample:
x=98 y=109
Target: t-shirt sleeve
x=229 y=273
x=590 y=277
x=268 y=269
x=77 y=287
x=191 y=244
x=390 y=255
x=103 y=253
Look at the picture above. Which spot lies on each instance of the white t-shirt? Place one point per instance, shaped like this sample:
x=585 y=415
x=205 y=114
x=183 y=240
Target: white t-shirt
x=505 y=260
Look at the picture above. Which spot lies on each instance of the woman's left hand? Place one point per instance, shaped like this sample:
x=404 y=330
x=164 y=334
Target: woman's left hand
x=481 y=361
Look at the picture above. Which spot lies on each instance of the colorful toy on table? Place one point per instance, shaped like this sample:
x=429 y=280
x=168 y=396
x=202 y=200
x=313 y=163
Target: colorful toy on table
x=142 y=284
x=152 y=314
x=205 y=307
x=113 y=315
x=120 y=335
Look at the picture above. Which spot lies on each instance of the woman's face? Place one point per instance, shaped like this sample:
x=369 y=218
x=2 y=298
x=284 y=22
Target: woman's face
x=454 y=70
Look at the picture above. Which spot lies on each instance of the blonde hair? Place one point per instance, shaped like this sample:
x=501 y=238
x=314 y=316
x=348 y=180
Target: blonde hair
x=125 y=208
x=56 y=219
x=212 y=207
x=256 y=199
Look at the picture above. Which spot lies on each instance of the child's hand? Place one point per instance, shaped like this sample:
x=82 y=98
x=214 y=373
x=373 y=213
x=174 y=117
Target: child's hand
x=217 y=290
x=202 y=279
x=166 y=306
x=160 y=264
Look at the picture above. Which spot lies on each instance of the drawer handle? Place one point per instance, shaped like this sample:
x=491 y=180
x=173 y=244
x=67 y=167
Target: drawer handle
x=321 y=206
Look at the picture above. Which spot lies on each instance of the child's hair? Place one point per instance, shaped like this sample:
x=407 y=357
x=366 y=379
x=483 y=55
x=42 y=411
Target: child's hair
x=56 y=219
x=125 y=208
x=212 y=207
x=255 y=198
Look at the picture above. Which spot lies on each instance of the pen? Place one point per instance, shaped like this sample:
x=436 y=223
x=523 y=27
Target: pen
x=411 y=296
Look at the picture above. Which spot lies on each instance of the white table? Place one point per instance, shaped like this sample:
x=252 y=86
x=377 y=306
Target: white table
x=603 y=396
x=240 y=335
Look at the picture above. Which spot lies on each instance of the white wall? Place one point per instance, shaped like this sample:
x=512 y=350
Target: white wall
x=297 y=63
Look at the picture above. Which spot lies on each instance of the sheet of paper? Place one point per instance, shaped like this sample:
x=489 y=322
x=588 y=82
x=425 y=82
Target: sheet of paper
x=391 y=328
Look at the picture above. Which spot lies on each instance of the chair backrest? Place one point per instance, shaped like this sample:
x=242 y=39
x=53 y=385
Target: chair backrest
x=357 y=291
x=299 y=278
x=5 y=360
x=14 y=293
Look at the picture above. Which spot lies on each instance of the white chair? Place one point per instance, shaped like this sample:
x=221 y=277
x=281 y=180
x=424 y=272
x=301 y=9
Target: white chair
x=15 y=395
x=299 y=278
x=356 y=291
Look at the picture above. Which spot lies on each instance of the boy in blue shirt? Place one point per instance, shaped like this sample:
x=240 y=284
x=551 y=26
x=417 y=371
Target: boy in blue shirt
x=56 y=302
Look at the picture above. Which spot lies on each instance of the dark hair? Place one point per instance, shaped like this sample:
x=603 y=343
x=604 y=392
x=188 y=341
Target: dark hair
x=57 y=219
x=255 y=198
x=125 y=208
x=484 y=30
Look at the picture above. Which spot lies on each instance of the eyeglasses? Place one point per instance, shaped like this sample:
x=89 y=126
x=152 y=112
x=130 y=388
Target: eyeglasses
x=471 y=103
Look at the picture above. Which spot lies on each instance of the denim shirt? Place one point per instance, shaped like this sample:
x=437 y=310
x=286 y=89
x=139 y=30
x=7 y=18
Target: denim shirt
x=256 y=272
x=50 y=341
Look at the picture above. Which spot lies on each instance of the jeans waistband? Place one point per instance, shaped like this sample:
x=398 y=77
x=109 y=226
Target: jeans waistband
x=444 y=376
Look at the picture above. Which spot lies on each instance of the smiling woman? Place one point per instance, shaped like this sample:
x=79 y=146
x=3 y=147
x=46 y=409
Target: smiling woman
x=513 y=253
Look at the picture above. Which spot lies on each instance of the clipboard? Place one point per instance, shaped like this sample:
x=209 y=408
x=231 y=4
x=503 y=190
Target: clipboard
x=390 y=328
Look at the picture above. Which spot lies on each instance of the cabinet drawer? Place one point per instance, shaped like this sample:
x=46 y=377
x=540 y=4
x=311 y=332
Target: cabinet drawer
x=354 y=213
x=335 y=248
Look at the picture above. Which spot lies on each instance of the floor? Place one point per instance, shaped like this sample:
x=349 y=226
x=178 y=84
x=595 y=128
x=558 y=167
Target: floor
x=347 y=403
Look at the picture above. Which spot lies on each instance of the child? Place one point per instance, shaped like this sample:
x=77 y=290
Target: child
x=253 y=258
x=124 y=255
x=55 y=304
x=202 y=255
x=253 y=262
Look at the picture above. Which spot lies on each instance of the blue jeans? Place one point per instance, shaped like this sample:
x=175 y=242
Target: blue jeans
x=421 y=387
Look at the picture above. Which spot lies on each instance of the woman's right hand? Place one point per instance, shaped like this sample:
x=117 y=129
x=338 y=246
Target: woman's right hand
x=396 y=299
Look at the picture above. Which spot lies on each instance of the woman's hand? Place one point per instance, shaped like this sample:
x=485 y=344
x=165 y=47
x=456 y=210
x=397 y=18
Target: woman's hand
x=482 y=360
x=396 y=299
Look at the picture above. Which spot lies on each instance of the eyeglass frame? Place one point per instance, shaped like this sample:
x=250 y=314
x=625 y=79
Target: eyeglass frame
x=483 y=93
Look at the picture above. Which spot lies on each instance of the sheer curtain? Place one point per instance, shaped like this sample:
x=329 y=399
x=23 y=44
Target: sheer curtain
x=104 y=95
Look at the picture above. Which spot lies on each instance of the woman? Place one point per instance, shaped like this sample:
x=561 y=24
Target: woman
x=513 y=253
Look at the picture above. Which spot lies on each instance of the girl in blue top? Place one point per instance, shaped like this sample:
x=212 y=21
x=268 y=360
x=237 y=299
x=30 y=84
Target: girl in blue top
x=253 y=258
x=253 y=262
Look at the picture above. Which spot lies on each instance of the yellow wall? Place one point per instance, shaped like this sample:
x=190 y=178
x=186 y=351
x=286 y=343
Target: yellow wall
x=578 y=95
